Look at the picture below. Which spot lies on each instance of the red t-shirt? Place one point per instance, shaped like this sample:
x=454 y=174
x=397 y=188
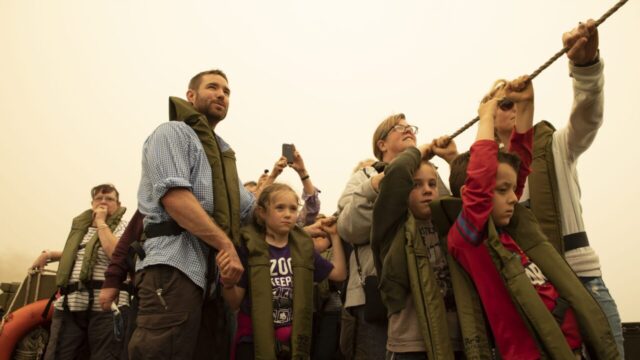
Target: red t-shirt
x=466 y=243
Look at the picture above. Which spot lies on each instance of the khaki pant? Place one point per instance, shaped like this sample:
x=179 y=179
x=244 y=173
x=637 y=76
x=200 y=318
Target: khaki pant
x=168 y=320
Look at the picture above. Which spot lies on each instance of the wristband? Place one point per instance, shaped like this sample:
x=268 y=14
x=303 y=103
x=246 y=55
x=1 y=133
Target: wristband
x=304 y=177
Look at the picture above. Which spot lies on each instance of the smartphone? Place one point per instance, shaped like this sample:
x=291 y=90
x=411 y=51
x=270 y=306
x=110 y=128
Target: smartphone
x=287 y=151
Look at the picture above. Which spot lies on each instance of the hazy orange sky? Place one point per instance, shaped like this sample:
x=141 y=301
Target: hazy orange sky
x=84 y=83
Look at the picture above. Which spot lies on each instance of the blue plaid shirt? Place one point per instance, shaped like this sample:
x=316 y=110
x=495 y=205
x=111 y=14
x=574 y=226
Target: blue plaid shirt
x=173 y=156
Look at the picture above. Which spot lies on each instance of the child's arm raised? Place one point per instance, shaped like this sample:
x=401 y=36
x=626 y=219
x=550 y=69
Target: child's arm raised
x=445 y=148
x=477 y=192
x=339 y=271
x=391 y=206
x=520 y=91
x=486 y=113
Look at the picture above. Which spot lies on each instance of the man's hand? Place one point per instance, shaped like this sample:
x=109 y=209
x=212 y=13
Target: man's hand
x=231 y=268
x=445 y=148
x=582 y=42
x=107 y=296
x=100 y=215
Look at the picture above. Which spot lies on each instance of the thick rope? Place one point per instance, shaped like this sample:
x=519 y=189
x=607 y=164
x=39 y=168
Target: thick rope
x=546 y=64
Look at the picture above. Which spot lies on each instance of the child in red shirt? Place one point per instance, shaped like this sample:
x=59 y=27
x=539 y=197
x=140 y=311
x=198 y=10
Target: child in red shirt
x=490 y=192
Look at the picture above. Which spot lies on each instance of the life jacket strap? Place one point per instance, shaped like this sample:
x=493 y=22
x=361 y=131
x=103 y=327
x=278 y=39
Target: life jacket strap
x=166 y=228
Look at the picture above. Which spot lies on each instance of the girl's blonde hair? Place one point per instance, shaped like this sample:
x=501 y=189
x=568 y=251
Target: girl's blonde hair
x=265 y=198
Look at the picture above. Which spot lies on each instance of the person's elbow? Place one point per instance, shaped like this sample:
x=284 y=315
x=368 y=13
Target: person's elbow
x=174 y=197
x=338 y=274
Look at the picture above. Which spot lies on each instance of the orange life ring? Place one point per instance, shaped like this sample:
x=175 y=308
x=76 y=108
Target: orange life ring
x=19 y=323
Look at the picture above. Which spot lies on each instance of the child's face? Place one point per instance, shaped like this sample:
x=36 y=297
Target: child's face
x=281 y=212
x=425 y=190
x=504 y=195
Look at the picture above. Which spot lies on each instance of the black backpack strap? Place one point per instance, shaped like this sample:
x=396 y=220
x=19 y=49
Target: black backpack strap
x=166 y=228
x=47 y=307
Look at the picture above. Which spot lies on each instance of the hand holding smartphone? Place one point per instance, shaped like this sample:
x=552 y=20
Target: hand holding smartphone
x=287 y=152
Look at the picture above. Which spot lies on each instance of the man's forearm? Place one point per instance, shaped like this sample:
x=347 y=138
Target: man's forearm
x=184 y=208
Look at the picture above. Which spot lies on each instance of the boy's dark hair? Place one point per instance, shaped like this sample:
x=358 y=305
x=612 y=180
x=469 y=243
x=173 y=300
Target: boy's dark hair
x=195 y=81
x=458 y=173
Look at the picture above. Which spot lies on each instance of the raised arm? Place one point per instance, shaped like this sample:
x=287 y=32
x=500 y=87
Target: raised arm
x=310 y=193
x=586 y=68
x=339 y=271
x=356 y=206
x=520 y=91
x=477 y=193
x=390 y=209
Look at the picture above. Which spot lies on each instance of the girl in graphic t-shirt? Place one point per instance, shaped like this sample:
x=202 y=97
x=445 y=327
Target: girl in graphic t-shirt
x=275 y=222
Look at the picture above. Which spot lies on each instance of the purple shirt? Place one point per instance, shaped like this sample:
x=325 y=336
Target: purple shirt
x=282 y=282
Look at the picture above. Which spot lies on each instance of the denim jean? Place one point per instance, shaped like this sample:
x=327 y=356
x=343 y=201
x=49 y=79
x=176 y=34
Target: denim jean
x=599 y=290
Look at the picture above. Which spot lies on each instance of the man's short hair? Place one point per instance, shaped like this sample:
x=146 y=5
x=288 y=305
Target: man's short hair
x=104 y=189
x=383 y=129
x=458 y=173
x=195 y=81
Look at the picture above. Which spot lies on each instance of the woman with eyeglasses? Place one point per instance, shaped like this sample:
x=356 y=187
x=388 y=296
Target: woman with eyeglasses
x=365 y=322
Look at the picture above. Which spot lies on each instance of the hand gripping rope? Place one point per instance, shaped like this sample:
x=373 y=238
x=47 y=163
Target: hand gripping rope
x=546 y=64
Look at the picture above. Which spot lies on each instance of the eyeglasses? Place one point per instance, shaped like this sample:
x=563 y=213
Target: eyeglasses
x=505 y=104
x=401 y=129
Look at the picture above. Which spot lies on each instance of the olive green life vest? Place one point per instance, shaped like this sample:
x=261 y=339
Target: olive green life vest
x=260 y=290
x=543 y=185
x=79 y=228
x=525 y=230
x=406 y=268
x=226 y=192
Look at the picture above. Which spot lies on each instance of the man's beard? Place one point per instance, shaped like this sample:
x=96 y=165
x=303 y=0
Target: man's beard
x=204 y=106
